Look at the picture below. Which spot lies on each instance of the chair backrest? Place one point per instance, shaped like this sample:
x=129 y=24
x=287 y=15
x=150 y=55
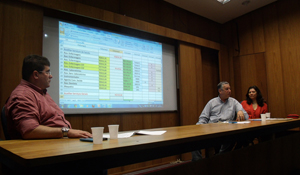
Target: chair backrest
x=4 y=124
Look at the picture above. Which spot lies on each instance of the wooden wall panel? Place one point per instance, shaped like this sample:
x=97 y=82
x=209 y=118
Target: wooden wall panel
x=78 y=8
x=276 y=98
x=258 y=31
x=161 y=13
x=250 y=70
x=147 y=120
x=132 y=121
x=156 y=120
x=232 y=80
x=137 y=24
x=18 y=40
x=89 y=11
x=200 y=83
x=76 y=121
x=169 y=119
x=188 y=83
x=156 y=9
x=245 y=35
x=182 y=21
x=289 y=27
x=112 y=5
x=226 y=54
x=210 y=74
x=234 y=46
x=140 y=9
x=224 y=64
x=228 y=50
x=94 y=120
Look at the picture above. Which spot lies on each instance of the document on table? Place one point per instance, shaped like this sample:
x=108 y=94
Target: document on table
x=279 y=119
x=237 y=122
x=141 y=132
x=240 y=122
x=259 y=119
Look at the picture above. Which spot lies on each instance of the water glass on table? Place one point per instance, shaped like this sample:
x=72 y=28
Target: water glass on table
x=97 y=133
x=113 y=131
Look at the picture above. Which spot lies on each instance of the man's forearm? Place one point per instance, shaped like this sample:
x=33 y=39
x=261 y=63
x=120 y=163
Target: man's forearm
x=202 y=120
x=42 y=132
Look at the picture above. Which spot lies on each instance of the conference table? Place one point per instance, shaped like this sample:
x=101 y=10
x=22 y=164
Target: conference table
x=72 y=155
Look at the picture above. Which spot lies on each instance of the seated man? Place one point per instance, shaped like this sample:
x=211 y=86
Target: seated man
x=31 y=112
x=221 y=108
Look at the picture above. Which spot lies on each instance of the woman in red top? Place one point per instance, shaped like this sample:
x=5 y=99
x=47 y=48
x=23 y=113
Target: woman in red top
x=254 y=105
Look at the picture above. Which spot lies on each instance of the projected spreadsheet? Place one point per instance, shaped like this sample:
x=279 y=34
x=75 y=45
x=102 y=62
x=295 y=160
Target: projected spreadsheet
x=100 y=69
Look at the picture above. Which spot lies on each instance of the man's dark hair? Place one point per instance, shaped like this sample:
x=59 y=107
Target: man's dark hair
x=32 y=63
x=259 y=98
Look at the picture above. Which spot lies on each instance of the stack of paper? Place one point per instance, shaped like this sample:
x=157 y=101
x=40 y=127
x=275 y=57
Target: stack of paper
x=129 y=134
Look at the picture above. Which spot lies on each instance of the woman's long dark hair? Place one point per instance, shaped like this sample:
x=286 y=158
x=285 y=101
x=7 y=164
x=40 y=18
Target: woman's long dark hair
x=260 y=100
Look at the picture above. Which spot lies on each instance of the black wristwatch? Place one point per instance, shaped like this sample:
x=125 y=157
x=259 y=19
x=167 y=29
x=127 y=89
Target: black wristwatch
x=65 y=131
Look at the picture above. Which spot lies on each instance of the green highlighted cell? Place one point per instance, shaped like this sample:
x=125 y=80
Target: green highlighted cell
x=83 y=66
x=127 y=75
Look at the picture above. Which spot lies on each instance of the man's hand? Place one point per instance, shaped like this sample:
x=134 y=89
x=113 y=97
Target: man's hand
x=240 y=116
x=75 y=133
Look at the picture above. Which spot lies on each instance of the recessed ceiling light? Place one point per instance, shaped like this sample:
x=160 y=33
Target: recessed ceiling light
x=223 y=1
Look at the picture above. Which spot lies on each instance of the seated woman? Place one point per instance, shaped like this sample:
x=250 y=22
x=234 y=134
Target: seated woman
x=254 y=105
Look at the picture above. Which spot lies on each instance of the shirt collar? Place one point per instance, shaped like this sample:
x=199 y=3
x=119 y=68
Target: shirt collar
x=34 y=87
x=222 y=101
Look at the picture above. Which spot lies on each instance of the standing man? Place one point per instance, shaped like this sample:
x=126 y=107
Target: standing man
x=31 y=112
x=221 y=108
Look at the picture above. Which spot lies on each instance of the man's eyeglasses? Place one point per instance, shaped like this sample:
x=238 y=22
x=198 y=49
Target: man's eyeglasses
x=48 y=72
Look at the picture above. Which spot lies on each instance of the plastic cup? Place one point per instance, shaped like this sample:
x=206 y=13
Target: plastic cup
x=97 y=133
x=113 y=131
x=268 y=114
x=263 y=117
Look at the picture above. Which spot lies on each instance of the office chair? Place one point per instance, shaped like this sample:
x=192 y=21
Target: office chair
x=4 y=124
